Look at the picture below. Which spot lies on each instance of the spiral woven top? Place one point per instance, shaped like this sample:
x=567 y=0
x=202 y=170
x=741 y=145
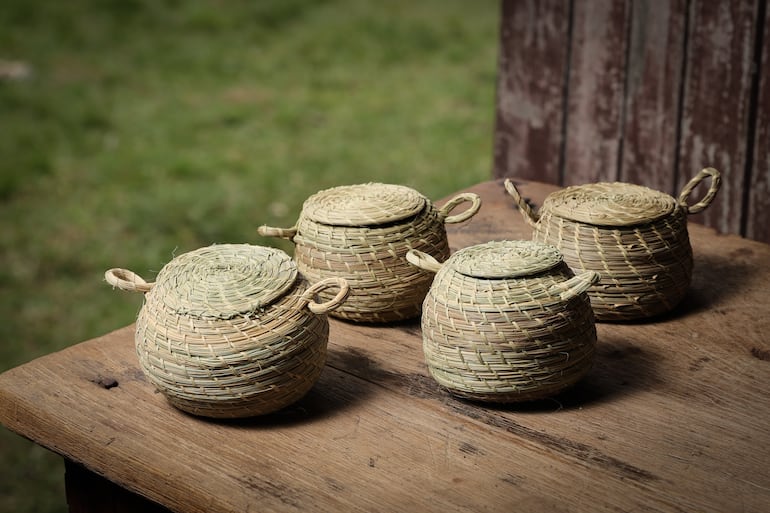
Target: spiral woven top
x=610 y=204
x=505 y=259
x=363 y=205
x=225 y=280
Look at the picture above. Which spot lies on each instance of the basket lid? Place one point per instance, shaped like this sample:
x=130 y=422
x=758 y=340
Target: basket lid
x=363 y=205
x=505 y=259
x=610 y=204
x=224 y=280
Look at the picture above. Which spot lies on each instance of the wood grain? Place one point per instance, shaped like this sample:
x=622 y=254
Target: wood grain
x=716 y=100
x=652 y=94
x=531 y=79
x=758 y=211
x=673 y=417
x=596 y=89
x=655 y=91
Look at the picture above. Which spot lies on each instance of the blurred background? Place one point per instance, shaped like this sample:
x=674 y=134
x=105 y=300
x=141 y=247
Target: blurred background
x=134 y=130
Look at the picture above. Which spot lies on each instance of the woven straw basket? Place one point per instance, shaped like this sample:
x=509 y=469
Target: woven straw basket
x=634 y=237
x=506 y=321
x=231 y=330
x=362 y=233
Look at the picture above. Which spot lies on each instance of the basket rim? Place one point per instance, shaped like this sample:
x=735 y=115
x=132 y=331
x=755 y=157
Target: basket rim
x=368 y=204
x=223 y=281
x=610 y=204
x=504 y=259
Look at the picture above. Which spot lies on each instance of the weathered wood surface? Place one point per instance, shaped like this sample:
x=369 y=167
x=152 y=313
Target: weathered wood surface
x=530 y=114
x=758 y=216
x=717 y=102
x=652 y=92
x=595 y=91
x=653 y=79
x=673 y=417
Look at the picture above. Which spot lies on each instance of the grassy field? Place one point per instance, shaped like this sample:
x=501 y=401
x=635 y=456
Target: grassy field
x=133 y=130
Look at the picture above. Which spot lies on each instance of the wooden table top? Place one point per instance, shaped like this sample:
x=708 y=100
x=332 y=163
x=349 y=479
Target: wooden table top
x=673 y=416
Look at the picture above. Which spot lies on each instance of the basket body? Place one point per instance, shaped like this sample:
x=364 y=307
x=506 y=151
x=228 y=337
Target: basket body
x=384 y=287
x=361 y=234
x=506 y=339
x=226 y=368
x=230 y=330
x=634 y=237
x=645 y=268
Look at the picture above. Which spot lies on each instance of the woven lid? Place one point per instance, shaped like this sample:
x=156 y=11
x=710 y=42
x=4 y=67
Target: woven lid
x=610 y=204
x=223 y=281
x=363 y=205
x=505 y=259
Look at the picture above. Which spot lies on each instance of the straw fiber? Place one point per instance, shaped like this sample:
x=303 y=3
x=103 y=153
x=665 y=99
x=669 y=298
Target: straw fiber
x=507 y=339
x=228 y=331
x=362 y=233
x=634 y=237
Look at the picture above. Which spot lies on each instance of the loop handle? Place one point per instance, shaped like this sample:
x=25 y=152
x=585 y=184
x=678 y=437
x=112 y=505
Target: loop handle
x=283 y=233
x=327 y=306
x=575 y=285
x=127 y=280
x=530 y=216
x=423 y=260
x=708 y=198
x=475 y=201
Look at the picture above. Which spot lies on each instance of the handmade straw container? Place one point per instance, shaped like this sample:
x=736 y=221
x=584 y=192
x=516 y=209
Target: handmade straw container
x=506 y=321
x=231 y=330
x=362 y=233
x=636 y=238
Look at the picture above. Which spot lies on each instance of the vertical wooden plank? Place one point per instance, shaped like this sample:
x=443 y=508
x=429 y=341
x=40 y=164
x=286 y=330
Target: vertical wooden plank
x=717 y=95
x=531 y=75
x=758 y=219
x=596 y=85
x=652 y=95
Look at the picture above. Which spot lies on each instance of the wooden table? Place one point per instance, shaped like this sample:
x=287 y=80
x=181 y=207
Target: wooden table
x=673 y=417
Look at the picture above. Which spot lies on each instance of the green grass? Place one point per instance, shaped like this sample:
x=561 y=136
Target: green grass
x=148 y=128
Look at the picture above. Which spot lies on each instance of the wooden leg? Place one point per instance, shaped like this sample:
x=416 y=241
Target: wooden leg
x=88 y=492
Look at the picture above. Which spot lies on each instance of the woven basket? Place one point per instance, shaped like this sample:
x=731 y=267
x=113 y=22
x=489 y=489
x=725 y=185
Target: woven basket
x=231 y=330
x=634 y=237
x=506 y=321
x=362 y=233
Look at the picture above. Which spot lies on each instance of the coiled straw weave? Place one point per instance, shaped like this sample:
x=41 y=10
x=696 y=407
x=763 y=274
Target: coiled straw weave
x=507 y=321
x=636 y=238
x=361 y=233
x=231 y=330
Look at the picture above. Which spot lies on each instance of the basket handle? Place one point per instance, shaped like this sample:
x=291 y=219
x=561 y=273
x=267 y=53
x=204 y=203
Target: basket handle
x=575 y=286
x=423 y=260
x=708 y=198
x=127 y=280
x=283 y=233
x=321 y=308
x=530 y=216
x=475 y=201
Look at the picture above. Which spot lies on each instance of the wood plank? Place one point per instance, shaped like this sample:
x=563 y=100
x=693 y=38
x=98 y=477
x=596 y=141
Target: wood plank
x=672 y=418
x=531 y=78
x=716 y=104
x=758 y=219
x=596 y=88
x=652 y=94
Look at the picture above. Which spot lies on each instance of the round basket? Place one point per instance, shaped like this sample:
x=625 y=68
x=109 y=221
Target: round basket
x=506 y=321
x=634 y=237
x=231 y=330
x=362 y=233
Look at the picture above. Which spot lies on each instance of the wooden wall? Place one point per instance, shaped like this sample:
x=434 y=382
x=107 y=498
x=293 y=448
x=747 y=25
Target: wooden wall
x=640 y=91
